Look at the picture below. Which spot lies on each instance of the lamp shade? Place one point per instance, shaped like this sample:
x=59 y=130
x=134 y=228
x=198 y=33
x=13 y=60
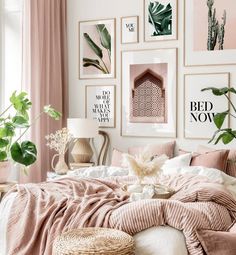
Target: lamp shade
x=82 y=128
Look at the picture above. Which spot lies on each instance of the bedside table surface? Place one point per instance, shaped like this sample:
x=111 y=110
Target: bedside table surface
x=4 y=187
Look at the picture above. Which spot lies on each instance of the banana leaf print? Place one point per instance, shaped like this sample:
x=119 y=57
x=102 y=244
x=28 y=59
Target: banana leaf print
x=105 y=41
x=160 y=17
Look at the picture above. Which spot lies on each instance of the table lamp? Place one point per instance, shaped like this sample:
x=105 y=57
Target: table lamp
x=82 y=130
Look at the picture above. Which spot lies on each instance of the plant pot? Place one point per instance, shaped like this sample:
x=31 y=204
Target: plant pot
x=5 y=170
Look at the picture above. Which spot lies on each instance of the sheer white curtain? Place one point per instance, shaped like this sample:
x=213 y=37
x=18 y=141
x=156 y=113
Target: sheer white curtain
x=10 y=48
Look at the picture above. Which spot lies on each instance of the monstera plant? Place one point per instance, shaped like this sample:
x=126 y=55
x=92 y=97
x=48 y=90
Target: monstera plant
x=16 y=117
x=105 y=41
x=226 y=135
x=160 y=17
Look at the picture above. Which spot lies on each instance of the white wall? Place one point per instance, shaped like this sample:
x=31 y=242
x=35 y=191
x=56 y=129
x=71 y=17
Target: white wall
x=99 y=9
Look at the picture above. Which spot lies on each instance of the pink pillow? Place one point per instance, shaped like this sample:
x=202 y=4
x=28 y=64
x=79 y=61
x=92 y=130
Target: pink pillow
x=117 y=158
x=213 y=159
x=217 y=242
x=155 y=149
x=231 y=161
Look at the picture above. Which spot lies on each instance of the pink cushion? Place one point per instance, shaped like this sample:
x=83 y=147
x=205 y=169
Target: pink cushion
x=155 y=149
x=231 y=161
x=117 y=158
x=217 y=242
x=211 y=159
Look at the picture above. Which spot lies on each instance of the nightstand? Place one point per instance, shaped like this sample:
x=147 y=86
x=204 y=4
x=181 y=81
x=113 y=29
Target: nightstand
x=5 y=187
x=81 y=165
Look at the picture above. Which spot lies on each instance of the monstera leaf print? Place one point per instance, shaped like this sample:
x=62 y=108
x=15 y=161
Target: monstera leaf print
x=105 y=45
x=160 y=17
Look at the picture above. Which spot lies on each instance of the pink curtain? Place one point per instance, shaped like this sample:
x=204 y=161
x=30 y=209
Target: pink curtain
x=45 y=73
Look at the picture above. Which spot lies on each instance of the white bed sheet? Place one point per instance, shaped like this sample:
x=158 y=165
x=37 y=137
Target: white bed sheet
x=153 y=241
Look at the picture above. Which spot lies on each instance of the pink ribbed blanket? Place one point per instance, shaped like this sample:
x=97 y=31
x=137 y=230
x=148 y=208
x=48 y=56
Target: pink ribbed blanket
x=43 y=211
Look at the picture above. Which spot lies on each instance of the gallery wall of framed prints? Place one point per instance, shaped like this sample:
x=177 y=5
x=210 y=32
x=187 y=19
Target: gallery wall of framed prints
x=145 y=54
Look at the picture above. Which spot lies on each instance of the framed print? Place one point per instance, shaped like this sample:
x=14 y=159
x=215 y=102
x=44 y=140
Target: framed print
x=210 y=35
x=149 y=93
x=100 y=104
x=97 y=49
x=129 y=29
x=200 y=107
x=160 y=20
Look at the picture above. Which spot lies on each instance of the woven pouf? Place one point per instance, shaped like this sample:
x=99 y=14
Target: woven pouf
x=101 y=241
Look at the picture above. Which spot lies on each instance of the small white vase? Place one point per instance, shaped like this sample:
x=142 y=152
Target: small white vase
x=61 y=166
x=5 y=170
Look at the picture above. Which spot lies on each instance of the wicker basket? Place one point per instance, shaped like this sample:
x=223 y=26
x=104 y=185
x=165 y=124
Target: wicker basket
x=101 y=241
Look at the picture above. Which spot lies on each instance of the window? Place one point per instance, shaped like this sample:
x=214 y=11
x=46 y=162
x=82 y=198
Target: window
x=10 y=48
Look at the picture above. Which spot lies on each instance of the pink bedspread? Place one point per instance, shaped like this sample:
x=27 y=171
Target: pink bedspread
x=43 y=211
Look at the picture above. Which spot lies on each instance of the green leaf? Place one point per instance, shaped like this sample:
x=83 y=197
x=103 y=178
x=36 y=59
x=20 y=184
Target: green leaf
x=20 y=121
x=3 y=155
x=52 y=112
x=3 y=143
x=227 y=137
x=7 y=131
x=217 y=91
x=21 y=103
x=160 y=17
x=24 y=153
x=105 y=36
x=96 y=49
x=93 y=62
x=219 y=119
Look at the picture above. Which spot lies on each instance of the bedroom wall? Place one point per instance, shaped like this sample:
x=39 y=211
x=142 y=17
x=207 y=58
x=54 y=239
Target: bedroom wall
x=101 y=9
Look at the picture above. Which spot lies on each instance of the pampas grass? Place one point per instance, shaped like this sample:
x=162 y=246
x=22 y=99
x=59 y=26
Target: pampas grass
x=144 y=164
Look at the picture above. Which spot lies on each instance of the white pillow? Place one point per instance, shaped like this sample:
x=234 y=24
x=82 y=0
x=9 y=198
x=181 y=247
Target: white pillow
x=177 y=162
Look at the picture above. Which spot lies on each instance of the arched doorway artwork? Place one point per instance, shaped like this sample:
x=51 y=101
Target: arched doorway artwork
x=148 y=99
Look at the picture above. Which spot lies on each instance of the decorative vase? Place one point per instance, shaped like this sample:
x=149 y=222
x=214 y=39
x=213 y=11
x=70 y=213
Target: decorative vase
x=61 y=166
x=5 y=170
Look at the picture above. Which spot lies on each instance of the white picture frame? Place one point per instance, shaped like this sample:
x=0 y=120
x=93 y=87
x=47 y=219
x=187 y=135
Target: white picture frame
x=200 y=107
x=100 y=104
x=129 y=29
x=198 y=49
x=161 y=31
x=99 y=63
x=137 y=67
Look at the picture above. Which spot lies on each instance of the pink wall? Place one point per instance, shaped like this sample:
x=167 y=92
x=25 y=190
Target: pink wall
x=201 y=22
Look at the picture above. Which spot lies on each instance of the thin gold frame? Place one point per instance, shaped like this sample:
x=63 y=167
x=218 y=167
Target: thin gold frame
x=164 y=40
x=114 y=99
x=79 y=53
x=121 y=29
x=176 y=103
x=184 y=50
x=197 y=74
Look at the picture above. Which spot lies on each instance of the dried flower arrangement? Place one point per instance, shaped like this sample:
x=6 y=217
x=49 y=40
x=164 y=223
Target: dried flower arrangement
x=59 y=141
x=144 y=164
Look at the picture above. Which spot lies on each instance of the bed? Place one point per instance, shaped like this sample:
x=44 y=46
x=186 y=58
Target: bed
x=154 y=240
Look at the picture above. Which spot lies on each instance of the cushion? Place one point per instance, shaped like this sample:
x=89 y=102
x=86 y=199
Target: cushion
x=231 y=161
x=212 y=159
x=217 y=242
x=117 y=158
x=155 y=149
x=178 y=162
